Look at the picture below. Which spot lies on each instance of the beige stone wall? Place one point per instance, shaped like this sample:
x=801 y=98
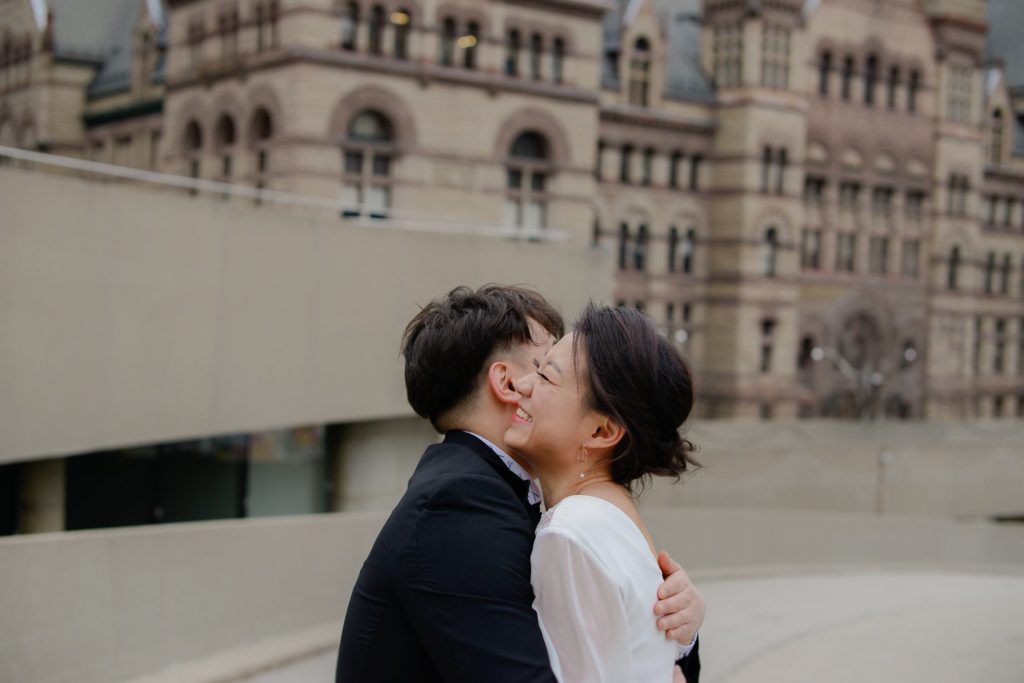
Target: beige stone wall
x=137 y=316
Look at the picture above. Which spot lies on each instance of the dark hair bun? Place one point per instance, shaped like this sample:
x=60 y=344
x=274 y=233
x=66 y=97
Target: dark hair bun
x=637 y=377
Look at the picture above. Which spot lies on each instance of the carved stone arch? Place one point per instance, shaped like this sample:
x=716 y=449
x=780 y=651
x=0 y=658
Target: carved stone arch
x=818 y=152
x=262 y=97
x=915 y=168
x=535 y=120
x=193 y=110
x=686 y=219
x=376 y=98
x=851 y=159
x=227 y=103
x=778 y=219
x=959 y=236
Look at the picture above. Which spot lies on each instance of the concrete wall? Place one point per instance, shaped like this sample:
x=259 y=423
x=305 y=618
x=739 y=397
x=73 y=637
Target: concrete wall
x=134 y=316
x=946 y=470
x=101 y=606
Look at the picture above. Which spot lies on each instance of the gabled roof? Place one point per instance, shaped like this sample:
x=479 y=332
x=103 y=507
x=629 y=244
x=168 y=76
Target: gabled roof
x=1004 y=43
x=682 y=20
x=116 y=72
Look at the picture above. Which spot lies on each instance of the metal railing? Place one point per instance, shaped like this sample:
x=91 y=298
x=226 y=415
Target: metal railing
x=355 y=214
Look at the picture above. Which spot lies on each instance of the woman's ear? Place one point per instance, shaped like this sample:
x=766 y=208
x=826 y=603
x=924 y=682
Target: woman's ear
x=607 y=432
x=501 y=384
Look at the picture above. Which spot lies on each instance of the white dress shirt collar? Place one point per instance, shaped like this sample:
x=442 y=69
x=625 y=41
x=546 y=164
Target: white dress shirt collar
x=534 y=495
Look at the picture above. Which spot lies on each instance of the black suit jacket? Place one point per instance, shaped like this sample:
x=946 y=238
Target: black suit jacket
x=445 y=593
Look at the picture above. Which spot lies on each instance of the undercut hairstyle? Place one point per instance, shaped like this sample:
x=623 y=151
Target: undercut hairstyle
x=635 y=376
x=448 y=343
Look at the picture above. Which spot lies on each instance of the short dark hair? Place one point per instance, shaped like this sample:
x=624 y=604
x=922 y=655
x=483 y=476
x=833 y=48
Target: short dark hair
x=635 y=376
x=448 y=342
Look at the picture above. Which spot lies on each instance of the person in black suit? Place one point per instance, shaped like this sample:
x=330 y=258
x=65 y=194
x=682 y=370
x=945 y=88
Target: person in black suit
x=445 y=593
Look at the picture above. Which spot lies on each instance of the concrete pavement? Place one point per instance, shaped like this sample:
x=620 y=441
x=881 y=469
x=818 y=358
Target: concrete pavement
x=886 y=627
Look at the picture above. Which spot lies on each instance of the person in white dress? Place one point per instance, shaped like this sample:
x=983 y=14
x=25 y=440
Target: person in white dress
x=600 y=415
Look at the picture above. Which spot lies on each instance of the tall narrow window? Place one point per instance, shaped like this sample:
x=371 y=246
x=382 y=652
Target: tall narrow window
x=468 y=43
x=224 y=139
x=893 y=87
x=878 y=255
x=196 y=34
x=913 y=85
x=1004 y=276
x=447 y=46
x=870 y=80
x=625 y=246
x=767 y=157
x=911 y=255
x=599 y=159
x=349 y=26
x=673 y=169
x=625 y=161
x=695 y=161
x=228 y=25
x=648 y=166
x=376 y=42
x=261 y=131
x=274 y=16
x=193 y=145
x=769 y=252
x=767 y=344
x=529 y=167
x=367 y=155
x=995 y=154
x=673 y=247
x=990 y=270
x=640 y=251
x=824 y=73
x=780 y=179
x=810 y=250
x=847 y=78
x=846 y=252
x=512 y=53
x=689 y=251
x=953 y=269
x=401 y=20
x=728 y=55
x=558 y=60
x=536 y=55
x=639 y=73
x=775 y=58
x=958 y=103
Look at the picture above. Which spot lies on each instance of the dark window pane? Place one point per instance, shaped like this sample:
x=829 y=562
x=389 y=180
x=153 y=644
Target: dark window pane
x=354 y=162
x=515 y=179
x=381 y=165
x=537 y=184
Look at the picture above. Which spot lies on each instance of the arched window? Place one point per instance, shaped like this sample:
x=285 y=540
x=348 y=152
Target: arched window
x=512 y=44
x=870 y=81
x=558 y=60
x=847 y=78
x=953 y=272
x=193 y=144
x=640 y=251
x=769 y=252
x=261 y=131
x=349 y=26
x=536 y=52
x=995 y=154
x=401 y=20
x=468 y=43
x=912 y=87
x=376 y=45
x=894 y=86
x=824 y=73
x=448 y=36
x=368 y=151
x=529 y=167
x=639 y=73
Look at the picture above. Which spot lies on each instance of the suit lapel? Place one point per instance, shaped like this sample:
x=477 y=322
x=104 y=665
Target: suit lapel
x=519 y=486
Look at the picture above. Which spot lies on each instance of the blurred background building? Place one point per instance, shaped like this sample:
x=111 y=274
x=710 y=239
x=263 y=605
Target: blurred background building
x=820 y=201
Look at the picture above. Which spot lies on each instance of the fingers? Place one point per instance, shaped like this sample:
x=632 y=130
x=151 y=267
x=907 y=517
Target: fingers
x=673 y=604
x=667 y=564
x=683 y=636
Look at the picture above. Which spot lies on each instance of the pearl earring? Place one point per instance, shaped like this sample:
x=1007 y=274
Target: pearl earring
x=581 y=457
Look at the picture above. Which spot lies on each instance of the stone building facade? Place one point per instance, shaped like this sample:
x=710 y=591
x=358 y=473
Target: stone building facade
x=820 y=201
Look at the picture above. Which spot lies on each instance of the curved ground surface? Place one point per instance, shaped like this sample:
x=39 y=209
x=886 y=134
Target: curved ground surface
x=927 y=627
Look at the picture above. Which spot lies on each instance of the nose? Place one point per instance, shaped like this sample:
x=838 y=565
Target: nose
x=524 y=385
